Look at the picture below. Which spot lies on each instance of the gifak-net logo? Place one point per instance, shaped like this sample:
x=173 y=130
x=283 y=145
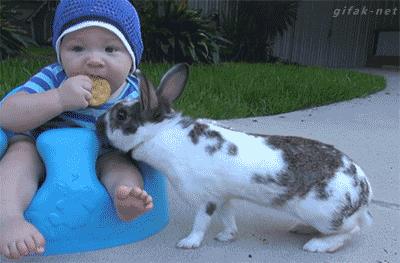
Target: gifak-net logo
x=364 y=11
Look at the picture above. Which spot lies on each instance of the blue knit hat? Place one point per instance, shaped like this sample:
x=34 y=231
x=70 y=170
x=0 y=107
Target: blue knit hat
x=118 y=16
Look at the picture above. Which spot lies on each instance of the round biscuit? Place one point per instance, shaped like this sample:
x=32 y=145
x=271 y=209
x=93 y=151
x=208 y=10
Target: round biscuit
x=101 y=91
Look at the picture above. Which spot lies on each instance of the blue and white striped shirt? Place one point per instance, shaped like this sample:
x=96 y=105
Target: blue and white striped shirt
x=51 y=77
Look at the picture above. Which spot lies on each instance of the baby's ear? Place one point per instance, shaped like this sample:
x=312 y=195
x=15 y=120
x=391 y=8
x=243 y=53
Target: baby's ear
x=173 y=82
x=148 y=97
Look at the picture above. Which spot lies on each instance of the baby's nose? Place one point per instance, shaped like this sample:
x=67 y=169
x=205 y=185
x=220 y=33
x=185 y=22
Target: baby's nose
x=95 y=60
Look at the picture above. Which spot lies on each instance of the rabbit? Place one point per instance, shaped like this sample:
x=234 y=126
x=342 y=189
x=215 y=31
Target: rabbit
x=210 y=165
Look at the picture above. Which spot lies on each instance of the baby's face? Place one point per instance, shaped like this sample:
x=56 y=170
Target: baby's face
x=96 y=51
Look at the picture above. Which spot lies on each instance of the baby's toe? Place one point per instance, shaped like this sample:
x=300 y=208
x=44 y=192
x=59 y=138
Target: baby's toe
x=136 y=192
x=30 y=244
x=14 y=253
x=123 y=192
x=5 y=251
x=144 y=195
x=148 y=206
x=22 y=248
x=148 y=200
x=40 y=243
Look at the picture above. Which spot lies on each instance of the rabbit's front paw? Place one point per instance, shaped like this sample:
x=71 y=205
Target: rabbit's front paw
x=318 y=245
x=191 y=241
x=226 y=236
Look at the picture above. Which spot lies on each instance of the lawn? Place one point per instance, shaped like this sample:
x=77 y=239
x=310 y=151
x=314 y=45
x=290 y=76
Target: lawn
x=233 y=90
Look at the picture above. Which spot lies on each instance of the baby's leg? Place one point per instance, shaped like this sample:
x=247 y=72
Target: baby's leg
x=20 y=171
x=124 y=183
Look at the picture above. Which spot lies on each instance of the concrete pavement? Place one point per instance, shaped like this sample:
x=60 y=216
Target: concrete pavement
x=366 y=129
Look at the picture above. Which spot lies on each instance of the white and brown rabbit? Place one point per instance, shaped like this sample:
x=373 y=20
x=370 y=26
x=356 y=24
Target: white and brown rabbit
x=210 y=165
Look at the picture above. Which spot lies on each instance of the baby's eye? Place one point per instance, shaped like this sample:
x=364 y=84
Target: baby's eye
x=110 y=49
x=77 y=48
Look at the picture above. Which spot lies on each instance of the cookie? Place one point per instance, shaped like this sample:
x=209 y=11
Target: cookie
x=101 y=91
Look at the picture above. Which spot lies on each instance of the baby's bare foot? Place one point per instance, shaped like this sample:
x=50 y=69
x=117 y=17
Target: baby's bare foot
x=19 y=238
x=131 y=202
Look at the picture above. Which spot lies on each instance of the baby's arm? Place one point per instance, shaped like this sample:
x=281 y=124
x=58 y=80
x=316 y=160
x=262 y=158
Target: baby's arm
x=23 y=111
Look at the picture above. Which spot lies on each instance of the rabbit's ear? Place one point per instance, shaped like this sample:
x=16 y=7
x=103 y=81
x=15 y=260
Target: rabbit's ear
x=148 y=97
x=173 y=82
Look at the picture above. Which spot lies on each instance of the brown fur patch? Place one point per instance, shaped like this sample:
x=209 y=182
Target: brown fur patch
x=350 y=206
x=310 y=166
x=232 y=149
x=352 y=172
x=197 y=131
x=186 y=122
x=210 y=208
x=202 y=130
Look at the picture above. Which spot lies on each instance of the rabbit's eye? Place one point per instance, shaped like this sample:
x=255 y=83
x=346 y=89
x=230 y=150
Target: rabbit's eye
x=121 y=115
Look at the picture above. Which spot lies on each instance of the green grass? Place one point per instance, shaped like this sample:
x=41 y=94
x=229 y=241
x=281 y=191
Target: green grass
x=244 y=90
x=233 y=90
x=16 y=71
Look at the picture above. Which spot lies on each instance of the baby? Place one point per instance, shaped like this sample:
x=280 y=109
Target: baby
x=99 y=38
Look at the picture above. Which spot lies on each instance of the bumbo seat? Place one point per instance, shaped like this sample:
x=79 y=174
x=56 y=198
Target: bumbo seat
x=73 y=210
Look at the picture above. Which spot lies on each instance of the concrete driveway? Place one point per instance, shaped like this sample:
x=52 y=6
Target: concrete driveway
x=366 y=129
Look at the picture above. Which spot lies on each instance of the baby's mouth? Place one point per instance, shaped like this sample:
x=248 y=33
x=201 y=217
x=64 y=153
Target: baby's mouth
x=95 y=76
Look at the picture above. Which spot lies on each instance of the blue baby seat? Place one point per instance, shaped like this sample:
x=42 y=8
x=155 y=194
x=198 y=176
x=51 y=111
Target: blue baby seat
x=72 y=208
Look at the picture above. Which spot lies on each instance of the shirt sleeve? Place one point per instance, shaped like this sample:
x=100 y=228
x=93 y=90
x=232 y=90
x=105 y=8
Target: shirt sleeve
x=47 y=78
x=42 y=81
x=133 y=91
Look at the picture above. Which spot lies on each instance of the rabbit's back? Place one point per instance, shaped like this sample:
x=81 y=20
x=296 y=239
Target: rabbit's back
x=299 y=175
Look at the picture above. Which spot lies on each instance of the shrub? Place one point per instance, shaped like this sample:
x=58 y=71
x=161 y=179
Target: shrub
x=253 y=29
x=13 y=39
x=174 y=33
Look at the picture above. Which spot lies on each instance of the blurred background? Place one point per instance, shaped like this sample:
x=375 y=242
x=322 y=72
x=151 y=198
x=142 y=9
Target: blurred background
x=249 y=58
x=344 y=34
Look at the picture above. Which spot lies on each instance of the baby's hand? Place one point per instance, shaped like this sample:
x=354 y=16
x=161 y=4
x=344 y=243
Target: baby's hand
x=75 y=93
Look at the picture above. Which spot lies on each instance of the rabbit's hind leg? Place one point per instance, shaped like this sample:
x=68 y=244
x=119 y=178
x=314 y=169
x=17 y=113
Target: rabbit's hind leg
x=329 y=243
x=228 y=221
